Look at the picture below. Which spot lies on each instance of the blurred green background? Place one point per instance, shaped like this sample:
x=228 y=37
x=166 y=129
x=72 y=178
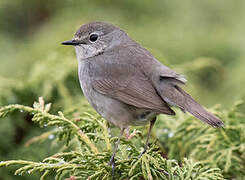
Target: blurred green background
x=202 y=39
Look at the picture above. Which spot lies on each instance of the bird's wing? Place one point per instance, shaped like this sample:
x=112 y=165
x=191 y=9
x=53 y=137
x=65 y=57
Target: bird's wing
x=129 y=85
x=166 y=82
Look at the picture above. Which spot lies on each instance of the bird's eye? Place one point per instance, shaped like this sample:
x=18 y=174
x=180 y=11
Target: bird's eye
x=93 y=37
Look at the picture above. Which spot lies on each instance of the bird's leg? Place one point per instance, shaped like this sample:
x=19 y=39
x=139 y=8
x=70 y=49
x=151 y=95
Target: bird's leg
x=152 y=122
x=112 y=160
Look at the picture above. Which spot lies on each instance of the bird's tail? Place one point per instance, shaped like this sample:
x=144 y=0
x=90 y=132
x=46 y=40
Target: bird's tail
x=198 y=111
x=175 y=96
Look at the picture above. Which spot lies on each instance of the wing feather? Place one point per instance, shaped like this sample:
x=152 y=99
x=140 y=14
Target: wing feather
x=132 y=88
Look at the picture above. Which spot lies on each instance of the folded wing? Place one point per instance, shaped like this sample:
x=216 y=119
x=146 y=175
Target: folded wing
x=129 y=85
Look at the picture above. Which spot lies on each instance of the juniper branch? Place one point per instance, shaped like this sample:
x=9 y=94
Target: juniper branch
x=86 y=164
x=44 y=118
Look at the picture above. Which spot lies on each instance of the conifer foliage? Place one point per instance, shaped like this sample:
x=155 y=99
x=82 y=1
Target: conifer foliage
x=90 y=143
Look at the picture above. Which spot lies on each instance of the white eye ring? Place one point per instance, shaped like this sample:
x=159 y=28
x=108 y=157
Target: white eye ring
x=93 y=37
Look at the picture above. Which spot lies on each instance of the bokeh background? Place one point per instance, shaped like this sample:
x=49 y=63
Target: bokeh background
x=202 y=39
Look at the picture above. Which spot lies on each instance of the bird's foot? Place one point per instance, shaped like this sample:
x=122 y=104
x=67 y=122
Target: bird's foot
x=113 y=164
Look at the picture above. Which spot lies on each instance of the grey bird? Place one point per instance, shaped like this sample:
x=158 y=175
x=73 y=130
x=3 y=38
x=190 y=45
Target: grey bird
x=125 y=83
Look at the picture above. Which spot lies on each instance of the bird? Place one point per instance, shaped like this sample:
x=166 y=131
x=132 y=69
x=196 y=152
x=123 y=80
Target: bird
x=126 y=84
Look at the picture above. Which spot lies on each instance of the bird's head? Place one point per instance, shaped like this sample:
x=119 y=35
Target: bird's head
x=94 y=38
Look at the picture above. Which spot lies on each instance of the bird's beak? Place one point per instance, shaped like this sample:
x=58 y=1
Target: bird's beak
x=71 y=42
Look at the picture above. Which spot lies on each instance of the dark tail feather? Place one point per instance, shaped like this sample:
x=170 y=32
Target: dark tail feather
x=198 y=111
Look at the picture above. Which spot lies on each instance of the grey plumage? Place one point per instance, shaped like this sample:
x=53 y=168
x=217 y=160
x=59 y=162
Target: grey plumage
x=125 y=83
x=117 y=69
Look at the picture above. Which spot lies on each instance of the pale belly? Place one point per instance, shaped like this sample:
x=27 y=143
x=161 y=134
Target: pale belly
x=116 y=112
